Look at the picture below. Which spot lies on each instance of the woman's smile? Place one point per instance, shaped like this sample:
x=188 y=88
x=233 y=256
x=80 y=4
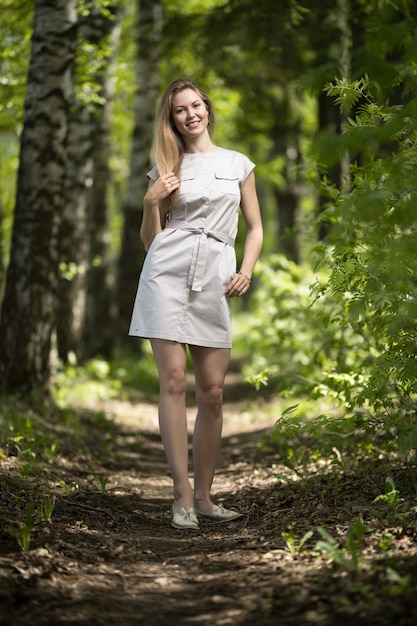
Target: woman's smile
x=189 y=112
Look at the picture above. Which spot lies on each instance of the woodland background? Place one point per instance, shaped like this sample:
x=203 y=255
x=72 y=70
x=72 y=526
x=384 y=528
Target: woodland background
x=322 y=96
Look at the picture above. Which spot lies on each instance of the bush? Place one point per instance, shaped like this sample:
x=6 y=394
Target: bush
x=351 y=332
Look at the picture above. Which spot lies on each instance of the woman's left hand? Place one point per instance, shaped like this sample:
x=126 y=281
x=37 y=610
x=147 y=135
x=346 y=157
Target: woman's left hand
x=238 y=286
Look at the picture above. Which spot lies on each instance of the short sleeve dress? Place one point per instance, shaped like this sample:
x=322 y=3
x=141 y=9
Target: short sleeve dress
x=180 y=296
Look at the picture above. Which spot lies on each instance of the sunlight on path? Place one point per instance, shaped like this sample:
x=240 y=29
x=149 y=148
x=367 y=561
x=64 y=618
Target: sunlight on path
x=239 y=417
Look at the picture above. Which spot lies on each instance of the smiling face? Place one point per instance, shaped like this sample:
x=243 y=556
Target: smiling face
x=189 y=114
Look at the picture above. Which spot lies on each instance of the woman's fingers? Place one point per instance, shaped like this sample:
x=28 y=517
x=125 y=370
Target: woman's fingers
x=169 y=183
x=238 y=286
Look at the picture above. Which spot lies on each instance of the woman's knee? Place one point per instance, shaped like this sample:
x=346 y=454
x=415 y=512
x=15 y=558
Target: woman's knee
x=173 y=382
x=211 y=399
x=171 y=361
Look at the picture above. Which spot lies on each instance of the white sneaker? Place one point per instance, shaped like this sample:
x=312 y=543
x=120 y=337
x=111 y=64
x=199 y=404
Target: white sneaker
x=219 y=514
x=184 y=518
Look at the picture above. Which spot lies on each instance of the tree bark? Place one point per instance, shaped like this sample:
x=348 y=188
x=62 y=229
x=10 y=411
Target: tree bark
x=74 y=241
x=330 y=118
x=101 y=311
x=2 y=246
x=147 y=76
x=85 y=320
x=284 y=133
x=29 y=305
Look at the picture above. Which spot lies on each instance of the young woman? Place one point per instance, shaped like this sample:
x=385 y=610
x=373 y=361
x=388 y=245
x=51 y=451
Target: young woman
x=190 y=219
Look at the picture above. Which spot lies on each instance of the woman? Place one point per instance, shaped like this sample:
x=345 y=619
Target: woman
x=190 y=217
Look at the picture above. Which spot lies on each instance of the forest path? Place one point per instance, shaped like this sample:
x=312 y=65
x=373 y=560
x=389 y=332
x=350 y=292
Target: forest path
x=109 y=555
x=112 y=557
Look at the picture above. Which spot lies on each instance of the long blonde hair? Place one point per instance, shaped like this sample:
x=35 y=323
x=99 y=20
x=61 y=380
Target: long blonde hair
x=168 y=145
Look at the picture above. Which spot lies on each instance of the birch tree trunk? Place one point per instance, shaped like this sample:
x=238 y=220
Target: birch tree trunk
x=147 y=77
x=84 y=237
x=29 y=305
x=101 y=309
x=74 y=242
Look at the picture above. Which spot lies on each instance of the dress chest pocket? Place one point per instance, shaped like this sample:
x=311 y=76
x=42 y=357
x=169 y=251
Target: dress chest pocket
x=228 y=183
x=187 y=184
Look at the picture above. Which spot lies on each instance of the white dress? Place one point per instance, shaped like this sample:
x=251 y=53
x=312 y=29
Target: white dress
x=180 y=296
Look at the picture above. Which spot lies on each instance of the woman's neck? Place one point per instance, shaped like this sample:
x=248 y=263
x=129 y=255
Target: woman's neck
x=201 y=144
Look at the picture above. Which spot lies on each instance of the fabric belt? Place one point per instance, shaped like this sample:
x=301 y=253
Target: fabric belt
x=199 y=257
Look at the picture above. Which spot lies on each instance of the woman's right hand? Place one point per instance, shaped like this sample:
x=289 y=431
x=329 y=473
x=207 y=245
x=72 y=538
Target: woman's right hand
x=162 y=187
x=154 y=216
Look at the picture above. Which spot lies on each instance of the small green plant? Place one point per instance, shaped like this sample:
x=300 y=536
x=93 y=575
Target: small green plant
x=291 y=546
x=68 y=490
x=392 y=499
x=329 y=547
x=51 y=450
x=297 y=459
x=349 y=557
x=24 y=532
x=355 y=542
x=387 y=542
x=27 y=469
x=64 y=487
x=400 y=584
x=46 y=507
x=103 y=481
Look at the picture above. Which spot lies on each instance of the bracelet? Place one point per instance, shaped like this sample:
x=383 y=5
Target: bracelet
x=246 y=276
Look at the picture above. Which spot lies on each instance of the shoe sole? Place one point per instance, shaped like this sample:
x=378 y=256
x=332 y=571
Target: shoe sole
x=218 y=520
x=184 y=527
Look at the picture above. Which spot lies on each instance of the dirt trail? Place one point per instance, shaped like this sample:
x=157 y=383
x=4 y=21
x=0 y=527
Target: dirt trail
x=111 y=556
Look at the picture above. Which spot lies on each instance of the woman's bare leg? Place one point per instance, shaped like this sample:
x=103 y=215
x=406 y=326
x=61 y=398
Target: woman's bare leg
x=170 y=358
x=210 y=366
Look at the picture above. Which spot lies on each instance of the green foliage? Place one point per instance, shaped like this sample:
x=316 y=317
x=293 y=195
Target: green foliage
x=15 y=37
x=23 y=532
x=351 y=338
x=350 y=556
x=101 y=379
x=93 y=54
x=400 y=585
x=103 y=482
x=371 y=259
x=46 y=507
x=397 y=509
x=23 y=435
x=299 y=346
x=292 y=547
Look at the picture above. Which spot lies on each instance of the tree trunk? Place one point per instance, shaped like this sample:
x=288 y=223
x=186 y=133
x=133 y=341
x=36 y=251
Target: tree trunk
x=132 y=251
x=74 y=244
x=29 y=306
x=284 y=134
x=84 y=241
x=2 y=246
x=101 y=309
x=329 y=115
